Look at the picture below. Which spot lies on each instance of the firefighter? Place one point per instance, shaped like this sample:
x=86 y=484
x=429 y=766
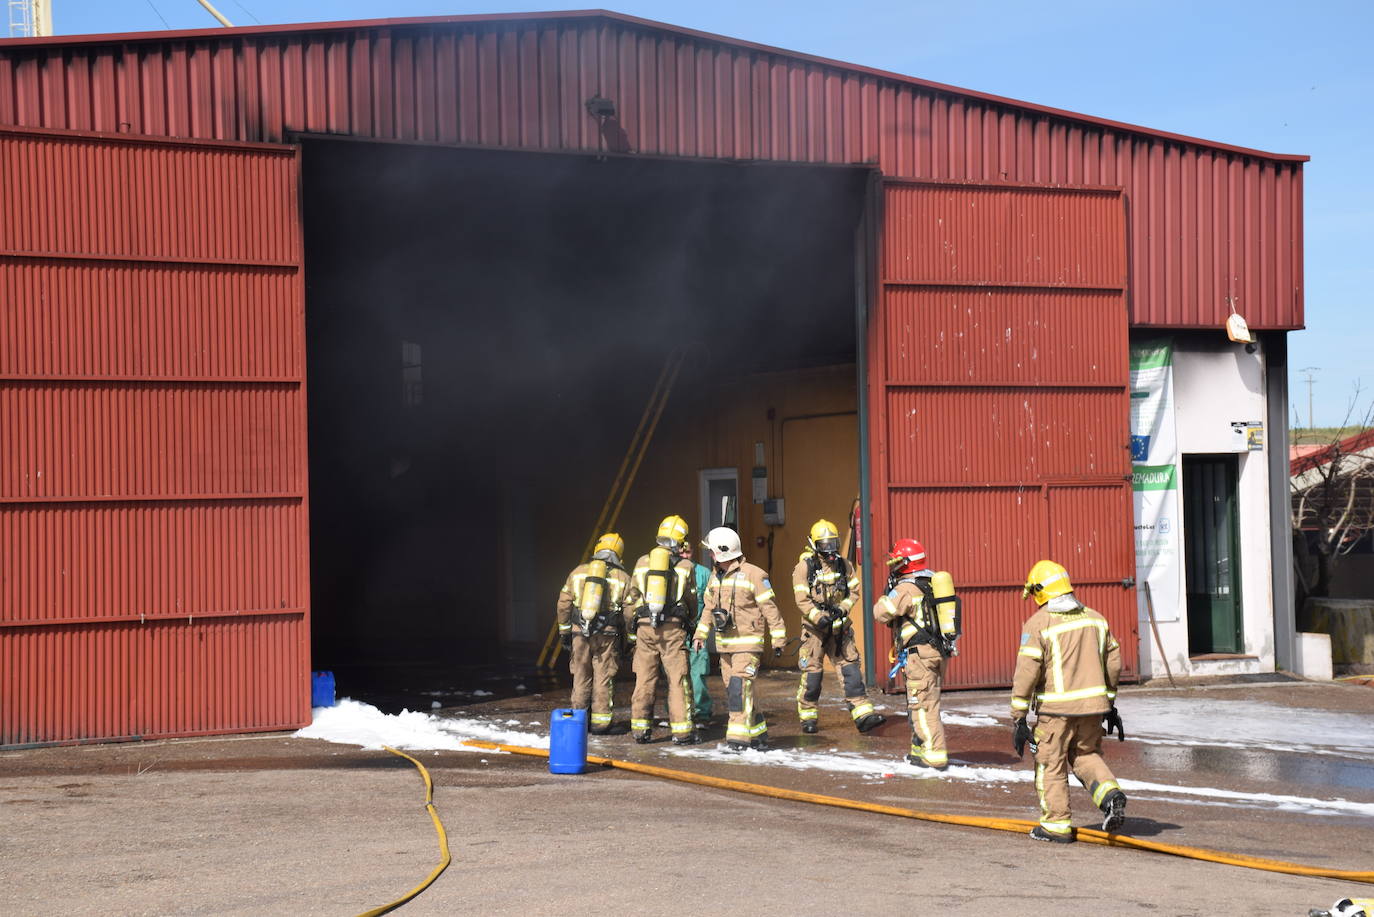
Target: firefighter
x=739 y=607
x=925 y=625
x=589 y=622
x=662 y=599
x=827 y=587
x=1066 y=671
x=699 y=660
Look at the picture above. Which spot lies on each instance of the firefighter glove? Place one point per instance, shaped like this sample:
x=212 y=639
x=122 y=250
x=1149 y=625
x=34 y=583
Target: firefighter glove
x=566 y=640
x=1112 y=720
x=777 y=651
x=1021 y=737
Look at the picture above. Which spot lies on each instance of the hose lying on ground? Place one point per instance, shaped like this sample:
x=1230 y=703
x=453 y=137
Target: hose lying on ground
x=1019 y=826
x=444 y=857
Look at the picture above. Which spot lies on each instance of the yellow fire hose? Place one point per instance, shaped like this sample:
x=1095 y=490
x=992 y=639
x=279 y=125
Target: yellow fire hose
x=444 y=857
x=997 y=824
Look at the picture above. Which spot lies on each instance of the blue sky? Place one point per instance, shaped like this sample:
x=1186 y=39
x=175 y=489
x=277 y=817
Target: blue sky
x=1257 y=74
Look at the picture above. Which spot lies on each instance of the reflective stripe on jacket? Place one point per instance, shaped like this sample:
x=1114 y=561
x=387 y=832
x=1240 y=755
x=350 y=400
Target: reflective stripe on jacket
x=1067 y=664
x=744 y=591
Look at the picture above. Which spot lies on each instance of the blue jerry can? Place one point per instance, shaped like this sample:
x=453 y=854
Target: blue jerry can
x=321 y=689
x=567 y=741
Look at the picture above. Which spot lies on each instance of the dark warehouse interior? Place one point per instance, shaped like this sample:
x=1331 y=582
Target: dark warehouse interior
x=487 y=323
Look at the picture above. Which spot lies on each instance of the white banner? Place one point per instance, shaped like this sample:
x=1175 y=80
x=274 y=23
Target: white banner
x=1154 y=454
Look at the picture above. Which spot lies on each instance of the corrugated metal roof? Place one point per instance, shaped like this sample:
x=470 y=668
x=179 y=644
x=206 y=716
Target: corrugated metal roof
x=557 y=15
x=1210 y=225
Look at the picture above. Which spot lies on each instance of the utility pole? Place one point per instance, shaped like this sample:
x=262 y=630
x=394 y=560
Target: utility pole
x=1309 y=370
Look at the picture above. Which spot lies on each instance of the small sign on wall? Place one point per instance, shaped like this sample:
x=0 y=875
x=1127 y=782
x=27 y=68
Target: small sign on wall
x=1247 y=436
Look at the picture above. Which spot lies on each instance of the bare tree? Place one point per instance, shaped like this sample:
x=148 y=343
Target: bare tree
x=1333 y=500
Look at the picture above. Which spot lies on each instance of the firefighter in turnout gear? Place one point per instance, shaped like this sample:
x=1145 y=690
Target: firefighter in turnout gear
x=1066 y=672
x=740 y=607
x=826 y=588
x=589 y=621
x=923 y=612
x=662 y=600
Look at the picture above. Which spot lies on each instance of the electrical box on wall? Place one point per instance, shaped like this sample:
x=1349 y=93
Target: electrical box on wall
x=774 y=513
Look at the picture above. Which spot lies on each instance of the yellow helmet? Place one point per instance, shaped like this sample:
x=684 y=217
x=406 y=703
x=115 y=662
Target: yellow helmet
x=610 y=542
x=672 y=532
x=824 y=537
x=1046 y=580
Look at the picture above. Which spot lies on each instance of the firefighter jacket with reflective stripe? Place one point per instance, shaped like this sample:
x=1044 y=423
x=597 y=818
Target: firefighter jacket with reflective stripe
x=1067 y=664
x=905 y=608
x=617 y=587
x=834 y=586
x=682 y=601
x=743 y=592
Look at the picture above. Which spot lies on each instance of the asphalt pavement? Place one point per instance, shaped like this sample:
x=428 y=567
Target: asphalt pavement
x=280 y=825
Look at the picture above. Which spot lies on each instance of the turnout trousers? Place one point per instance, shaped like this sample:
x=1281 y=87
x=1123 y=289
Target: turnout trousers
x=664 y=645
x=925 y=670
x=594 y=662
x=699 y=666
x=746 y=724
x=844 y=653
x=1068 y=743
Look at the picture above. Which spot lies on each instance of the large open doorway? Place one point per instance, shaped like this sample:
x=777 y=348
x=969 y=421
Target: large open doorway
x=483 y=329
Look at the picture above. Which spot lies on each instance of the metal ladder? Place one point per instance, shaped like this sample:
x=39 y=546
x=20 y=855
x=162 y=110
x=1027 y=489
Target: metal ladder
x=624 y=478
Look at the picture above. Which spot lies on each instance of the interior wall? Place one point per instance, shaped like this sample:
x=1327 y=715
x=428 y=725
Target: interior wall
x=715 y=425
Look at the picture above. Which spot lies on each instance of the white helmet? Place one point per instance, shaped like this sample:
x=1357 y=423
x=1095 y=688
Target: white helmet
x=724 y=544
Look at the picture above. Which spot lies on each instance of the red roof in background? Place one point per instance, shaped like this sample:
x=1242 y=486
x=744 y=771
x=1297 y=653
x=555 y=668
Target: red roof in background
x=290 y=28
x=1306 y=457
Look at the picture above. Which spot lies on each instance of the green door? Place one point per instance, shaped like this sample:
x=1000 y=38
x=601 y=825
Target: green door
x=1211 y=534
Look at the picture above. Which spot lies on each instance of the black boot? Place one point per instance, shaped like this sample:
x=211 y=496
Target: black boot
x=1038 y=833
x=644 y=736
x=736 y=747
x=810 y=727
x=1113 y=811
x=870 y=722
x=686 y=738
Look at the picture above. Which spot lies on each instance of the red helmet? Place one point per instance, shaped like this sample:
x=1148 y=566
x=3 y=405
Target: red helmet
x=907 y=556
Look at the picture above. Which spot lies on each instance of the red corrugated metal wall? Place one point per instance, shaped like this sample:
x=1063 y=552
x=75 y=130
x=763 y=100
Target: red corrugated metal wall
x=153 y=565
x=998 y=386
x=1206 y=222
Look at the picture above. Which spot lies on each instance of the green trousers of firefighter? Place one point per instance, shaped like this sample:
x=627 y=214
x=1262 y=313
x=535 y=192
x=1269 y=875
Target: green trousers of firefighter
x=699 y=666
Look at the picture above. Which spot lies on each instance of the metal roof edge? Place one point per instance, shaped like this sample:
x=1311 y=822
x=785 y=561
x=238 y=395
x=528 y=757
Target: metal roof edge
x=650 y=24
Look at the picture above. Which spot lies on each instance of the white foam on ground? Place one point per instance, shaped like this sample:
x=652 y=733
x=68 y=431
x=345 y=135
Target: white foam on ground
x=352 y=722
